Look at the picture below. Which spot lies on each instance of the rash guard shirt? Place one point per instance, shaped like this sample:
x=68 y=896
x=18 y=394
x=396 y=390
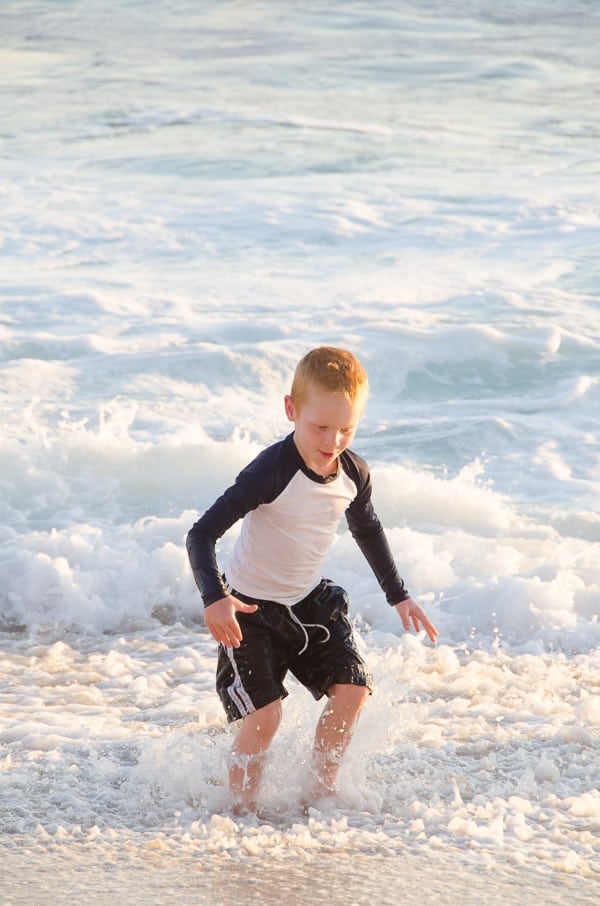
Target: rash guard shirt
x=290 y=518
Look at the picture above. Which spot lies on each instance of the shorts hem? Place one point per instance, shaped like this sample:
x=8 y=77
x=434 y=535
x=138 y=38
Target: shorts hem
x=355 y=678
x=233 y=713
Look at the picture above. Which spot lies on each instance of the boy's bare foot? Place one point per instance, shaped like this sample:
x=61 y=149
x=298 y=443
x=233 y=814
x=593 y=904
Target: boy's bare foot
x=243 y=809
x=318 y=795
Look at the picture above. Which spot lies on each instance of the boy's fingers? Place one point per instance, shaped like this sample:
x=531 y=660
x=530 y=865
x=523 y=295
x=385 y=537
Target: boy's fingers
x=228 y=632
x=412 y=616
x=221 y=620
x=430 y=630
x=229 y=635
x=403 y=613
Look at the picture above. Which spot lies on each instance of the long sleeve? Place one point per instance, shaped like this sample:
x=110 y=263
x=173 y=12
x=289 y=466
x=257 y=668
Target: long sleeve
x=369 y=534
x=375 y=547
x=260 y=482
x=201 y=547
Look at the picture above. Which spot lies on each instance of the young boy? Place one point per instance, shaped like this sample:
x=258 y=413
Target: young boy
x=274 y=612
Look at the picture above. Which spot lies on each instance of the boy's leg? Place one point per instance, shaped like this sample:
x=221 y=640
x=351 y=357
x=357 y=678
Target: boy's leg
x=248 y=755
x=333 y=734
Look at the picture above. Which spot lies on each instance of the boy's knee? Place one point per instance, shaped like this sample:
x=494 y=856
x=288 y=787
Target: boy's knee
x=349 y=695
x=273 y=715
x=266 y=720
x=361 y=695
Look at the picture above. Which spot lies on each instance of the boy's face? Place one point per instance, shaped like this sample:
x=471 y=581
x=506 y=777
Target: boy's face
x=325 y=425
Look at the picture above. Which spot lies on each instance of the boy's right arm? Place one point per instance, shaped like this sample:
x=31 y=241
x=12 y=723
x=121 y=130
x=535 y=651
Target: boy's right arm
x=220 y=607
x=202 y=539
x=258 y=483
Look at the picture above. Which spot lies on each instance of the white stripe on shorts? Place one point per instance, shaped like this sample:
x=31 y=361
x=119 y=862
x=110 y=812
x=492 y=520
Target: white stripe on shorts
x=236 y=691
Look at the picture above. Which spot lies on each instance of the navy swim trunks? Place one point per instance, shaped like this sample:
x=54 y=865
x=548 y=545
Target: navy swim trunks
x=313 y=640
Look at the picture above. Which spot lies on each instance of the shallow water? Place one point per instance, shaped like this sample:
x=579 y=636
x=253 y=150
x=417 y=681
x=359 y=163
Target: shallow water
x=192 y=198
x=146 y=876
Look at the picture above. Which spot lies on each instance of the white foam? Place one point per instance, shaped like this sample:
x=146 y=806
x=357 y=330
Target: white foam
x=170 y=250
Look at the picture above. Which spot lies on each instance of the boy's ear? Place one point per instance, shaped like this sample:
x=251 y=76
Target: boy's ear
x=290 y=409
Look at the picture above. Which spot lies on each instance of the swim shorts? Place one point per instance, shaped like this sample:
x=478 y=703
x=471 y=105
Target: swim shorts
x=313 y=640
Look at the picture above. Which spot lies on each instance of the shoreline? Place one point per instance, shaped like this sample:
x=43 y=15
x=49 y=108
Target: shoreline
x=146 y=872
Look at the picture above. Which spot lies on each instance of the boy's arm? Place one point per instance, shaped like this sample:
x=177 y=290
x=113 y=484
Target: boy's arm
x=247 y=492
x=370 y=536
x=201 y=543
x=368 y=532
x=258 y=483
x=220 y=606
x=376 y=549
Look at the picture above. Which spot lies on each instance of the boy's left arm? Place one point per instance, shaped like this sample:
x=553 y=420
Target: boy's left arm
x=370 y=536
x=376 y=549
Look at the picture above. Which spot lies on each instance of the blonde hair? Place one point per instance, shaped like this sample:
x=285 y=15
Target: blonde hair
x=331 y=370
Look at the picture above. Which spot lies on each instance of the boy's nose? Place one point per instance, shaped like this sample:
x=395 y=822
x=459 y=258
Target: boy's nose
x=333 y=439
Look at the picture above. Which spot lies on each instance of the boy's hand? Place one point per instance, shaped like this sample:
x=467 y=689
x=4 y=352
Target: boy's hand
x=409 y=612
x=221 y=620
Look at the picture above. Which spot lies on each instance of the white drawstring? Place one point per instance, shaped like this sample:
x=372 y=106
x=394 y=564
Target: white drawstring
x=305 y=626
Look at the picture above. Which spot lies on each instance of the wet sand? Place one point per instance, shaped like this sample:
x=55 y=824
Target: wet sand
x=38 y=876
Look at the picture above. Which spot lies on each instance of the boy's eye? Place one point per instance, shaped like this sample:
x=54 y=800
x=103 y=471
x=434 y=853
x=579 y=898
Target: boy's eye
x=342 y=430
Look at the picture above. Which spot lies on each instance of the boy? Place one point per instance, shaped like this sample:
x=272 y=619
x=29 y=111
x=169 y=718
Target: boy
x=274 y=612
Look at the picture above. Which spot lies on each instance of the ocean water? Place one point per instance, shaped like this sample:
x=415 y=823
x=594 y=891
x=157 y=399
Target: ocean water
x=193 y=195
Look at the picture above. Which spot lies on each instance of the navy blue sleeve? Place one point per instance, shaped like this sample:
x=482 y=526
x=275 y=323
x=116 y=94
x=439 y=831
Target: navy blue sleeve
x=260 y=482
x=368 y=532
